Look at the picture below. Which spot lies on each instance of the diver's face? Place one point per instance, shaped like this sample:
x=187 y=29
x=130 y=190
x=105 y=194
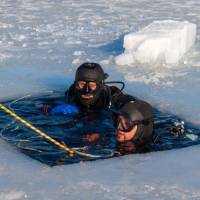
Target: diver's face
x=123 y=136
x=88 y=87
x=126 y=136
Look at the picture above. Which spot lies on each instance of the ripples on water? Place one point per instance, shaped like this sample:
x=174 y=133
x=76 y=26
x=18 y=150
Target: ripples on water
x=71 y=131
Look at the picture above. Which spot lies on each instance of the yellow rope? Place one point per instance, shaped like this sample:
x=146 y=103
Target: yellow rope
x=62 y=146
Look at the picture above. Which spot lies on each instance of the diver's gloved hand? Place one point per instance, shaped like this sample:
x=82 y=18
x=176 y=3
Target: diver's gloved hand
x=65 y=109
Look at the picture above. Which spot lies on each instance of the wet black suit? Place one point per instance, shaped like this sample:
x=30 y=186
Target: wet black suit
x=110 y=97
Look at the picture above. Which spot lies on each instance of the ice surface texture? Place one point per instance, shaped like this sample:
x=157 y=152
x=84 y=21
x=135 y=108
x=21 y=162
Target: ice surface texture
x=38 y=46
x=159 y=42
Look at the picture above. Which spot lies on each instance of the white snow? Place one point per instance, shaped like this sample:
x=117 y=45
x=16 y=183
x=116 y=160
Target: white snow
x=161 y=175
x=160 y=42
x=40 y=41
x=12 y=195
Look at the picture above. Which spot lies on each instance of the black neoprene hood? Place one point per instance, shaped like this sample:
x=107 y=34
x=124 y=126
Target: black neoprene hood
x=140 y=111
x=137 y=110
x=90 y=72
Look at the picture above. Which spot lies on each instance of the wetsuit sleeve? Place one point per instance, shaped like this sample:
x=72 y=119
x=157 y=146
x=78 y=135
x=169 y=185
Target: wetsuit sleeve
x=118 y=98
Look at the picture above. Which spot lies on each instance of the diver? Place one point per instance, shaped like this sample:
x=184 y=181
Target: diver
x=132 y=118
x=134 y=127
x=90 y=92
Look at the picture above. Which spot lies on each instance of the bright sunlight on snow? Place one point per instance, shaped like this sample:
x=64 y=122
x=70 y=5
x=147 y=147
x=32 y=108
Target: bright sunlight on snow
x=42 y=42
x=159 y=42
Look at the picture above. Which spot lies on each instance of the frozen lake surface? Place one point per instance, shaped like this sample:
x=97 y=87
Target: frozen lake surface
x=42 y=43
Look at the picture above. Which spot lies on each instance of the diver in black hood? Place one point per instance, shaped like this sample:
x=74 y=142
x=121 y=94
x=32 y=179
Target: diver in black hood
x=132 y=118
x=89 y=84
x=90 y=91
x=134 y=122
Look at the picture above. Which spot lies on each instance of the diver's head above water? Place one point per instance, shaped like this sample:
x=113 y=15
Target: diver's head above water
x=89 y=82
x=134 y=122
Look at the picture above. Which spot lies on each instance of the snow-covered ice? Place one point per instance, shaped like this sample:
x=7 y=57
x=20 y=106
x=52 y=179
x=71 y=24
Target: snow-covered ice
x=160 y=42
x=41 y=44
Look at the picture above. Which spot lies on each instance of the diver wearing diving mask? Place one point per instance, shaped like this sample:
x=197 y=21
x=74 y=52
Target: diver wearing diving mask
x=90 y=92
x=89 y=83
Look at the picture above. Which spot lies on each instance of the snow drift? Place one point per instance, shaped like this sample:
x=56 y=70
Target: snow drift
x=159 y=42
